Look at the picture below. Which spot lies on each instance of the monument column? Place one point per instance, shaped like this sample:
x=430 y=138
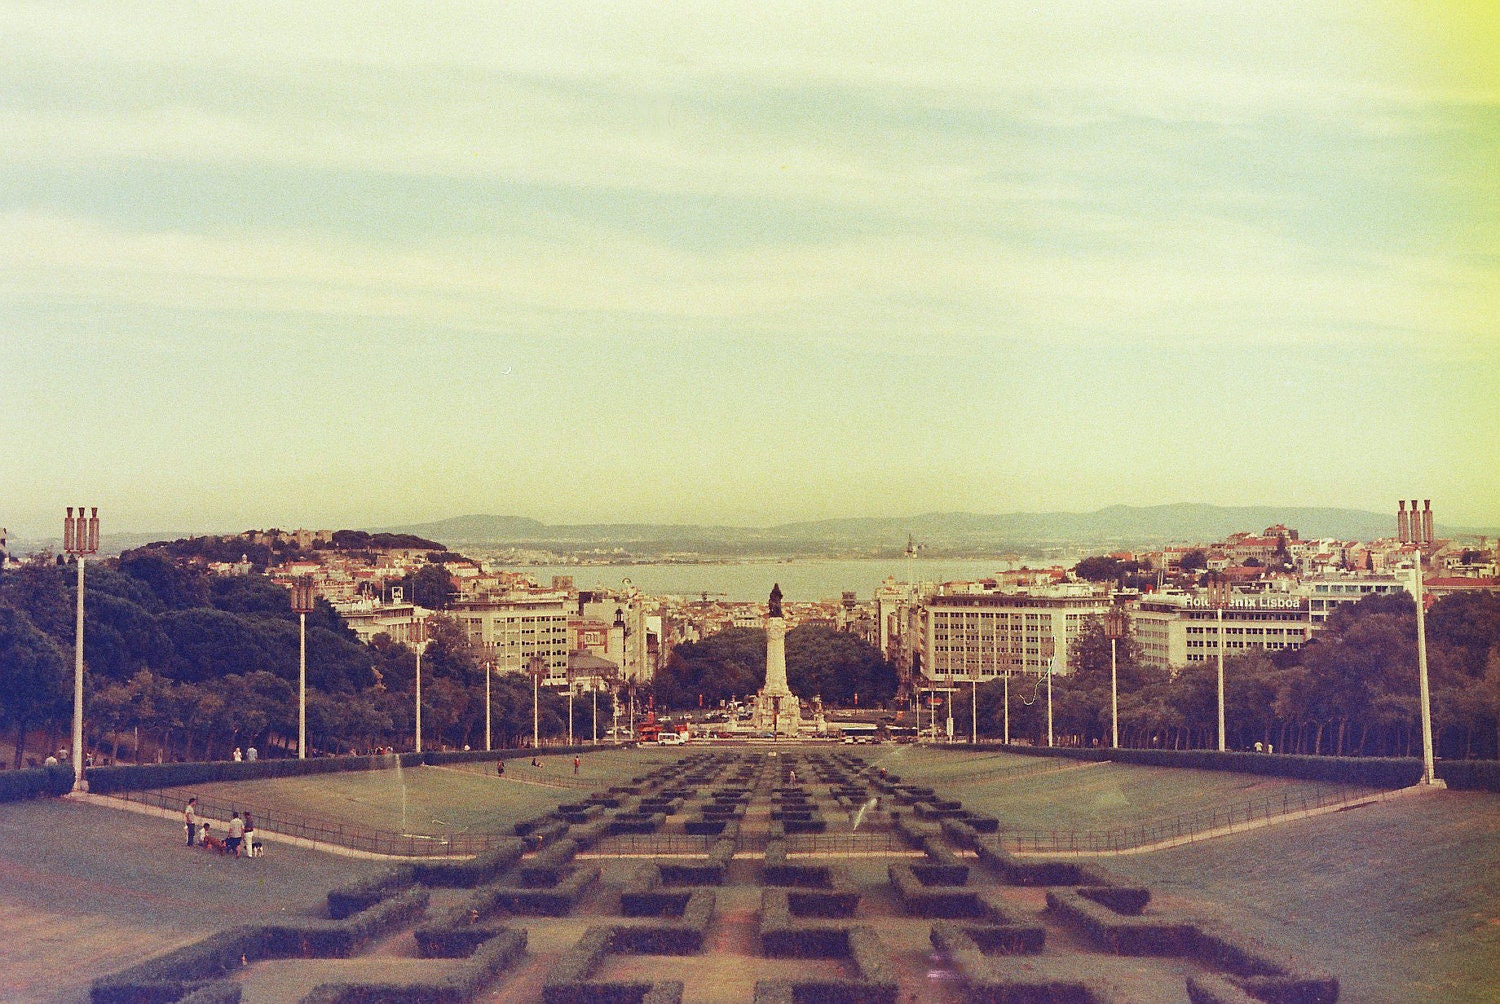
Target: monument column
x=776 y=656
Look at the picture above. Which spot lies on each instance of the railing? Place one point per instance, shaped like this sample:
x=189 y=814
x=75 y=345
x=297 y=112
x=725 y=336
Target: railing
x=354 y=837
x=1185 y=827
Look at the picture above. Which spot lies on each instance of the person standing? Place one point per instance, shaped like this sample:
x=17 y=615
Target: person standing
x=236 y=834
x=576 y=762
x=249 y=835
x=190 y=818
x=238 y=756
x=251 y=754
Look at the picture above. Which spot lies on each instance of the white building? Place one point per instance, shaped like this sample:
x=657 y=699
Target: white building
x=1176 y=629
x=510 y=629
x=1326 y=594
x=969 y=637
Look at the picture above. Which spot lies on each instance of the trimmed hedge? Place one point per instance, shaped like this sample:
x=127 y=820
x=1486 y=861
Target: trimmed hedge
x=1470 y=775
x=969 y=944
x=569 y=983
x=1213 y=989
x=351 y=899
x=924 y=900
x=488 y=959
x=875 y=984
x=185 y=970
x=217 y=992
x=776 y=870
x=1123 y=934
x=35 y=782
x=1020 y=871
x=474 y=872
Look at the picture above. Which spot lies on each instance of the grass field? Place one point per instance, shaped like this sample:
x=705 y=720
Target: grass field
x=463 y=798
x=86 y=891
x=1401 y=899
x=1044 y=793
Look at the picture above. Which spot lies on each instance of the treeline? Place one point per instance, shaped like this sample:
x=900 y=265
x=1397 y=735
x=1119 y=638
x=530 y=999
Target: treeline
x=282 y=547
x=193 y=665
x=820 y=661
x=1351 y=691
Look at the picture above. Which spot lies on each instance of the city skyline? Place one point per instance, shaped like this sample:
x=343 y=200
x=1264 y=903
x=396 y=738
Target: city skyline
x=744 y=264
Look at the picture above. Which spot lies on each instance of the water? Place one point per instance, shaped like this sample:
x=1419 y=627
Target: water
x=860 y=815
x=801 y=580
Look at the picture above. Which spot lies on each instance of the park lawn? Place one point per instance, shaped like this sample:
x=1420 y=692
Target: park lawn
x=86 y=891
x=1400 y=899
x=1045 y=793
x=459 y=798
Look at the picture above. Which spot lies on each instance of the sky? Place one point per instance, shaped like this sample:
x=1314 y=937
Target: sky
x=370 y=264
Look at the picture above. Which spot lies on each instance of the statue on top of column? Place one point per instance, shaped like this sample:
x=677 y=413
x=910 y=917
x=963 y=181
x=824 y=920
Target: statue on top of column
x=775 y=600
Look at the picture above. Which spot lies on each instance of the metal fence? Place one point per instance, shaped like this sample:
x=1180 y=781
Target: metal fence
x=649 y=844
x=1184 y=827
x=359 y=838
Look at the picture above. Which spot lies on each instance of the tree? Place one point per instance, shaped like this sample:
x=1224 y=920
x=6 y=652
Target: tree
x=33 y=676
x=429 y=586
x=1194 y=561
x=836 y=665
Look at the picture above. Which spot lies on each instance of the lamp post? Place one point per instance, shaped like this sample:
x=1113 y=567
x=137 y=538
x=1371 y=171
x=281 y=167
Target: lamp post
x=1048 y=648
x=570 y=705
x=1218 y=596
x=488 y=672
x=537 y=667
x=1114 y=630
x=80 y=539
x=304 y=600
x=1429 y=775
x=419 y=642
x=974 y=709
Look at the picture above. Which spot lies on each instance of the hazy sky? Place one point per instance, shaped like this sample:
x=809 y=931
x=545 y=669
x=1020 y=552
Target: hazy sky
x=369 y=263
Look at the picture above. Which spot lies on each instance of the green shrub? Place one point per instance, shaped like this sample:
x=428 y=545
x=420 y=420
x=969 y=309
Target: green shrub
x=1120 y=900
x=351 y=899
x=35 y=782
x=463 y=983
x=1470 y=775
x=474 y=872
x=1121 y=933
x=217 y=992
x=1213 y=989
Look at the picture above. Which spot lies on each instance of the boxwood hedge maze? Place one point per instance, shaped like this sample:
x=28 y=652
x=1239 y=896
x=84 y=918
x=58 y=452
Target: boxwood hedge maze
x=796 y=876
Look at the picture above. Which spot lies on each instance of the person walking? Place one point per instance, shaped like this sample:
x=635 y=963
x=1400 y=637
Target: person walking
x=236 y=834
x=190 y=818
x=576 y=762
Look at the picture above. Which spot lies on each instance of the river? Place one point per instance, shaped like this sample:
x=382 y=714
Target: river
x=801 y=580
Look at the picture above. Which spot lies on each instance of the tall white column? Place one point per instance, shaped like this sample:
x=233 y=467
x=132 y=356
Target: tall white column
x=776 y=656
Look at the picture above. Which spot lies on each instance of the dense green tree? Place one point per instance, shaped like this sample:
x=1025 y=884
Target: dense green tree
x=174 y=585
x=836 y=665
x=429 y=586
x=33 y=677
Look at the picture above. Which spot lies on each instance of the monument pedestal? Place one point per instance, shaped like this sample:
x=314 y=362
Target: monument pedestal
x=776 y=707
x=784 y=716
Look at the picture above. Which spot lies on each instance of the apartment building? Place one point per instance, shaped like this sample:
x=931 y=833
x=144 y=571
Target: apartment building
x=965 y=637
x=510 y=629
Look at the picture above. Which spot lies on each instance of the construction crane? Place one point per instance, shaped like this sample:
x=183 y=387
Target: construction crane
x=706 y=594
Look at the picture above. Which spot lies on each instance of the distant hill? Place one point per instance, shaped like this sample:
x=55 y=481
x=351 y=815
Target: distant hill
x=1114 y=526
